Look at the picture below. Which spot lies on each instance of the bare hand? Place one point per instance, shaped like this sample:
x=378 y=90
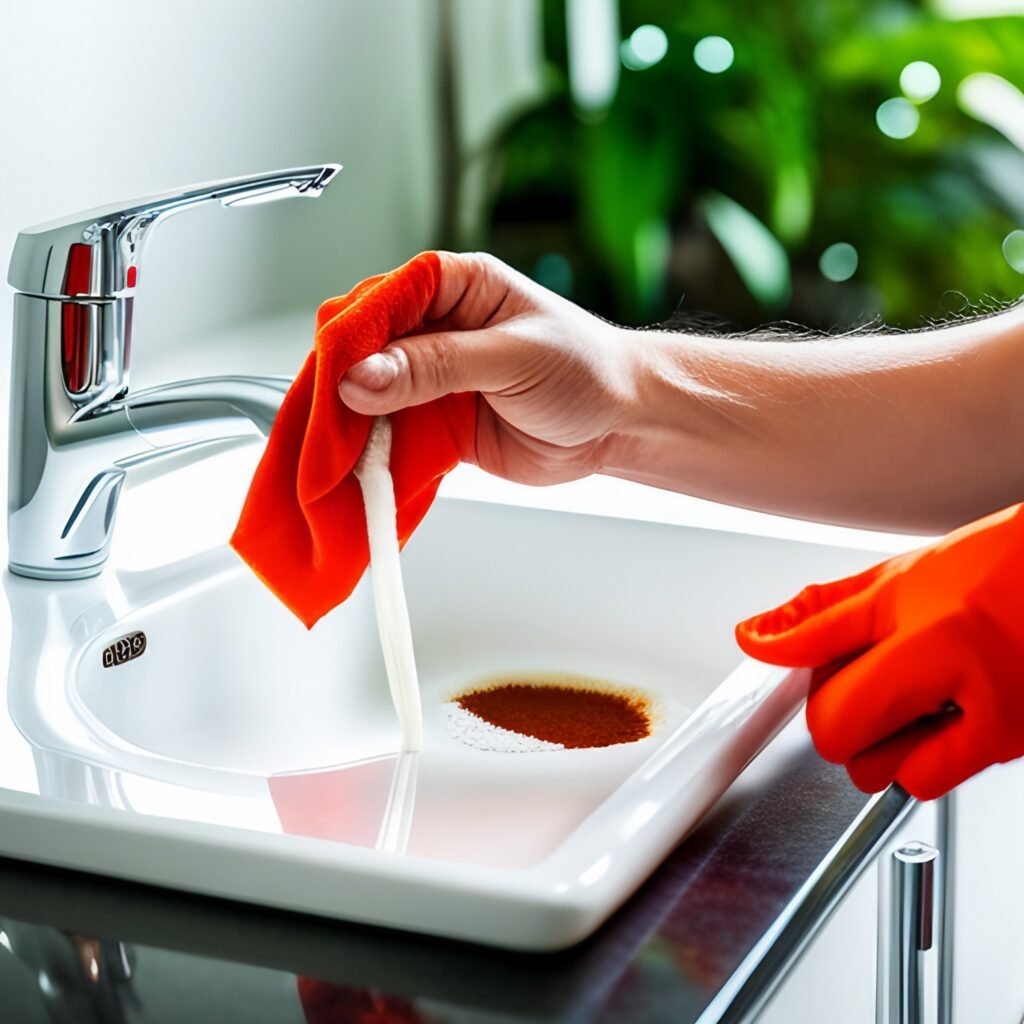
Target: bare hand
x=554 y=381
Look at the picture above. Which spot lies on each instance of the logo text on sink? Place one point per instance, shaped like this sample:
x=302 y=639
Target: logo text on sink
x=124 y=648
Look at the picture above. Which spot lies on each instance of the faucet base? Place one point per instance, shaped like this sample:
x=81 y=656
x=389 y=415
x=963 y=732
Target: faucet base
x=40 y=572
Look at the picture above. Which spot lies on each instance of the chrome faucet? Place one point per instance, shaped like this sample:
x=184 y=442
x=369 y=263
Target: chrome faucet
x=75 y=426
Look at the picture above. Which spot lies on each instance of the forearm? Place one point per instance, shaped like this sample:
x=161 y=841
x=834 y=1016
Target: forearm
x=917 y=432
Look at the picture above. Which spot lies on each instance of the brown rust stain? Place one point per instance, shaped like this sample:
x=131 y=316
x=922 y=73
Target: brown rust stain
x=576 y=715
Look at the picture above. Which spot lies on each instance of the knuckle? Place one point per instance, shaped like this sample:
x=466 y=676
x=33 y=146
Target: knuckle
x=487 y=260
x=810 y=599
x=491 y=269
x=428 y=366
x=443 y=362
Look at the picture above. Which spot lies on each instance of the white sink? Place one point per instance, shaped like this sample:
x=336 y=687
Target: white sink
x=242 y=756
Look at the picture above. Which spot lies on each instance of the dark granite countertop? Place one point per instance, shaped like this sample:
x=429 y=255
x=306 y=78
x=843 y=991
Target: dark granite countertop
x=703 y=940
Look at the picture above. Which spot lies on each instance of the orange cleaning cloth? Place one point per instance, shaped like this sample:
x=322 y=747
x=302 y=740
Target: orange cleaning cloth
x=925 y=656
x=302 y=529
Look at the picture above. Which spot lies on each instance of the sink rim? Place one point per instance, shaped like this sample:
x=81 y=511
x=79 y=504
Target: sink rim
x=548 y=906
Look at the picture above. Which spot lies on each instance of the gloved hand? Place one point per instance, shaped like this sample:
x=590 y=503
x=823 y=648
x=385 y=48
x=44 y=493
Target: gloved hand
x=928 y=657
x=303 y=528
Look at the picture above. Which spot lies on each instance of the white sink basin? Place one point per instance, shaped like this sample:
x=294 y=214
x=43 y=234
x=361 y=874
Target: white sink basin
x=230 y=683
x=242 y=756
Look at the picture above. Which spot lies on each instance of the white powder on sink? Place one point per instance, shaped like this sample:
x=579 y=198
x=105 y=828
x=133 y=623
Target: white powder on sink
x=476 y=732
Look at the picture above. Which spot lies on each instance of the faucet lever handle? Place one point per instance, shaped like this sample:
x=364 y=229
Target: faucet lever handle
x=95 y=254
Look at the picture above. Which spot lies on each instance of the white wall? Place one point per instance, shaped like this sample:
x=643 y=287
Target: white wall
x=109 y=99
x=106 y=100
x=988 y=980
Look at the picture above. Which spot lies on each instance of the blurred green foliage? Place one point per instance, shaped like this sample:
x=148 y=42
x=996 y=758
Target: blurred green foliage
x=655 y=202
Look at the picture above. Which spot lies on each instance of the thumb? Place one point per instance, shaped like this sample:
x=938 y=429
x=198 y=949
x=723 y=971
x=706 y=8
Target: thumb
x=822 y=623
x=423 y=367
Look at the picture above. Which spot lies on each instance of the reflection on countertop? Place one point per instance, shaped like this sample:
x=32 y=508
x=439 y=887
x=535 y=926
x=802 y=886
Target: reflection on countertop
x=682 y=939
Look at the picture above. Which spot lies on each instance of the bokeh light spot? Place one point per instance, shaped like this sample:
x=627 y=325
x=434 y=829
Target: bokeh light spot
x=898 y=118
x=839 y=261
x=759 y=257
x=592 y=28
x=1013 y=250
x=994 y=101
x=644 y=48
x=920 y=81
x=714 y=54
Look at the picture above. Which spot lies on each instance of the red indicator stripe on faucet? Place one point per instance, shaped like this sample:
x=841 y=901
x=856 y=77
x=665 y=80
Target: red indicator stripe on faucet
x=78 y=271
x=75 y=349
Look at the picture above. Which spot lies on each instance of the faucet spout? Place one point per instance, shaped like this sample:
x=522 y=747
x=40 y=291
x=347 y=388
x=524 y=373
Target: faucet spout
x=104 y=244
x=204 y=409
x=76 y=426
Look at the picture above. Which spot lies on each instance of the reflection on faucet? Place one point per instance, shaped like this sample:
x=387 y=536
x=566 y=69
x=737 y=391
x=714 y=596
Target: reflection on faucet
x=396 y=824
x=81 y=979
x=75 y=427
x=65 y=481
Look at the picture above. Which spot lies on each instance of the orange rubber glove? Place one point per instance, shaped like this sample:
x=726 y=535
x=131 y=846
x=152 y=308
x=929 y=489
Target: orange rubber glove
x=303 y=528
x=929 y=688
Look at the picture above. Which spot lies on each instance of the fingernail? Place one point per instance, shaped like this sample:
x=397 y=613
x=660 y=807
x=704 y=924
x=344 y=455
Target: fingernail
x=375 y=373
